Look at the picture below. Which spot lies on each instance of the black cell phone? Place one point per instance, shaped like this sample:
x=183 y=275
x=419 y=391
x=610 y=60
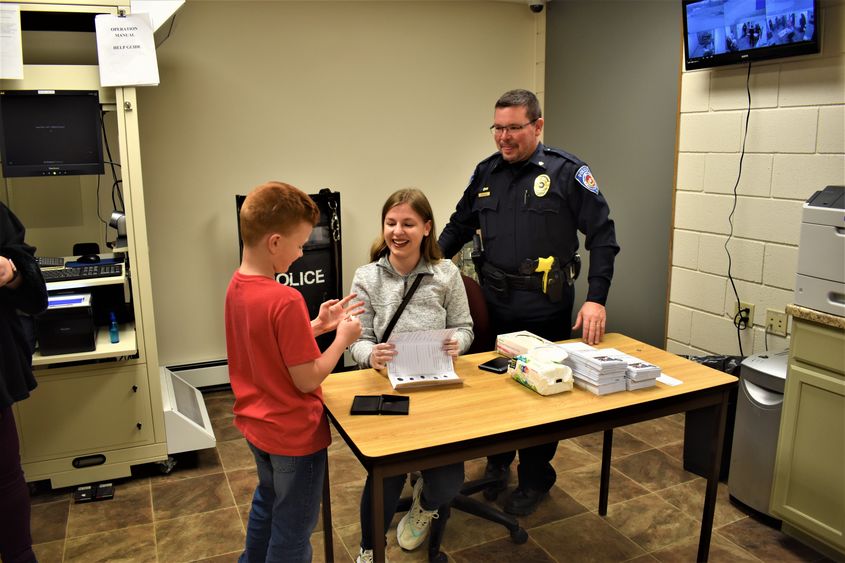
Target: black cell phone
x=496 y=365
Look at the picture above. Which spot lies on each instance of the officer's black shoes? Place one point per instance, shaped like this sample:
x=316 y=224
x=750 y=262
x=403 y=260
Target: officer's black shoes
x=500 y=473
x=523 y=502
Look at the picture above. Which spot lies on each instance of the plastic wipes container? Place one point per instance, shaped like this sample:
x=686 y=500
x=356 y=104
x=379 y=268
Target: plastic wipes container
x=514 y=344
x=542 y=370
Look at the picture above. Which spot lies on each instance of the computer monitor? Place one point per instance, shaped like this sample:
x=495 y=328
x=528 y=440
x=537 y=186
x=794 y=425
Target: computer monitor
x=50 y=132
x=723 y=32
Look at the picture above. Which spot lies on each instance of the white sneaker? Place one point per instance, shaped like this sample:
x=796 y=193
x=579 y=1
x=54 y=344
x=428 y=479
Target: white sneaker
x=413 y=527
x=366 y=556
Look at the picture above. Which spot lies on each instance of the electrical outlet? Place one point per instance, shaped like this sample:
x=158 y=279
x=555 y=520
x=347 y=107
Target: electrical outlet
x=749 y=319
x=776 y=322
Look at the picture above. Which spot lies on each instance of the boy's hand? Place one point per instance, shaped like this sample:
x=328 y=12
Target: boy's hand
x=451 y=347
x=348 y=330
x=334 y=311
x=381 y=354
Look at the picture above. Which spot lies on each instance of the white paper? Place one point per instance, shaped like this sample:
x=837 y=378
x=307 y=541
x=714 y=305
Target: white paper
x=11 y=52
x=420 y=359
x=576 y=347
x=126 y=50
x=668 y=380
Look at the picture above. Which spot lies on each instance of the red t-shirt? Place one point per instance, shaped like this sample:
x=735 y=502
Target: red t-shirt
x=267 y=330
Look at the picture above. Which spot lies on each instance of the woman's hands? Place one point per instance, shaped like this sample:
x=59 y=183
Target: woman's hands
x=381 y=354
x=333 y=311
x=451 y=347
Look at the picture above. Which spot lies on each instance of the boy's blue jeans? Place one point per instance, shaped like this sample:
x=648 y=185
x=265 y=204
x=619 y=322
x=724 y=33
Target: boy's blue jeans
x=285 y=507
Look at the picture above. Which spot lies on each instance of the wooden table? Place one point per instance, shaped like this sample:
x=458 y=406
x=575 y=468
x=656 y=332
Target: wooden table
x=492 y=413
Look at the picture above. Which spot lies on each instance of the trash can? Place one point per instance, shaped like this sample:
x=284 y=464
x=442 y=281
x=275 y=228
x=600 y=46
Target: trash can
x=761 y=382
x=698 y=424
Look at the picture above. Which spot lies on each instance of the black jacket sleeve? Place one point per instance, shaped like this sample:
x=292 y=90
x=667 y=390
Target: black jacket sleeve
x=16 y=379
x=31 y=296
x=593 y=217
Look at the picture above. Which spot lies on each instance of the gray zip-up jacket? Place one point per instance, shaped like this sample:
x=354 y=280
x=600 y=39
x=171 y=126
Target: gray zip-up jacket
x=439 y=302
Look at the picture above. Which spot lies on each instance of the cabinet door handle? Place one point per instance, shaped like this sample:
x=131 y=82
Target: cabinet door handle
x=134 y=388
x=139 y=425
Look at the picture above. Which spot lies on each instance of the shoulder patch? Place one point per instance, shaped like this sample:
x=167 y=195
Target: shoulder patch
x=585 y=177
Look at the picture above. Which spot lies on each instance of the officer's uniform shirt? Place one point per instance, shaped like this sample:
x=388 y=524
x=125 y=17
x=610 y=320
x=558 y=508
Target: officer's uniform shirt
x=532 y=209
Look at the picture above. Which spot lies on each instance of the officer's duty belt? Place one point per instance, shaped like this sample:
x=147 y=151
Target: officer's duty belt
x=534 y=282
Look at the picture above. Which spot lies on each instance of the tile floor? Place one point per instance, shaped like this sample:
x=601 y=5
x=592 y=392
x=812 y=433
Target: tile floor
x=199 y=510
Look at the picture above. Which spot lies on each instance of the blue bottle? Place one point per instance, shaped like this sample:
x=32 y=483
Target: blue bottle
x=114 y=332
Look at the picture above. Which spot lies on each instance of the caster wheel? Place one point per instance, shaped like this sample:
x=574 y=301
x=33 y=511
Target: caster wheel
x=166 y=466
x=519 y=536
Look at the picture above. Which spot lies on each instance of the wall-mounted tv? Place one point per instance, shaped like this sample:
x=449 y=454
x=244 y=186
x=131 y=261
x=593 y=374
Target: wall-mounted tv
x=723 y=32
x=50 y=132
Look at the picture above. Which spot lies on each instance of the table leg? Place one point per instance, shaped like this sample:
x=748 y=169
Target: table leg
x=377 y=502
x=604 y=485
x=716 y=442
x=327 y=517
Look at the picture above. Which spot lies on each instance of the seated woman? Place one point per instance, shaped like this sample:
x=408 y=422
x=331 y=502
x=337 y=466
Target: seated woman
x=408 y=249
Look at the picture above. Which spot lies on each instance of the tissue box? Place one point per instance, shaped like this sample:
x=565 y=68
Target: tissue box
x=542 y=370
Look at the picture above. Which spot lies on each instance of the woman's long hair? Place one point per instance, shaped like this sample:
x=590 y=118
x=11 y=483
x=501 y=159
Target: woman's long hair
x=429 y=249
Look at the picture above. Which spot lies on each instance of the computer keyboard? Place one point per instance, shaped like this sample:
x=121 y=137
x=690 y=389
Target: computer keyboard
x=49 y=261
x=83 y=272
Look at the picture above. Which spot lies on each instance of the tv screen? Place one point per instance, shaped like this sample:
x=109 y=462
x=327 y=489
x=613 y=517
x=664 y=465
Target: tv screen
x=723 y=32
x=50 y=132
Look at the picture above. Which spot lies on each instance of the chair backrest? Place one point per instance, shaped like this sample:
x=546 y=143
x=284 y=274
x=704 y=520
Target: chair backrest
x=484 y=340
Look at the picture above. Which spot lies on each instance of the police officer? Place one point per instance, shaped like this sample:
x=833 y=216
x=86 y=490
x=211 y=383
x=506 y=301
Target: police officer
x=529 y=201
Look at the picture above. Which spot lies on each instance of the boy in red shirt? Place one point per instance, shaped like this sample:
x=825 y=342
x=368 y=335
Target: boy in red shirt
x=276 y=368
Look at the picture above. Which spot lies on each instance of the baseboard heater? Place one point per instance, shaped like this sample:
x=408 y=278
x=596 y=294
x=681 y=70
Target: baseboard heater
x=186 y=419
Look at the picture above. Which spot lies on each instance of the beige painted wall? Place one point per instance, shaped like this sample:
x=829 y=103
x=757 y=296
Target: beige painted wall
x=795 y=146
x=360 y=97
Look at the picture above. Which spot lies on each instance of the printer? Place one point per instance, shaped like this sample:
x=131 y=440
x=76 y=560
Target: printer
x=67 y=326
x=820 y=279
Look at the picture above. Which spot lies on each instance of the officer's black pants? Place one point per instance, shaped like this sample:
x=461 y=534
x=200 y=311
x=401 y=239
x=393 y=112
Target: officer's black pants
x=535 y=470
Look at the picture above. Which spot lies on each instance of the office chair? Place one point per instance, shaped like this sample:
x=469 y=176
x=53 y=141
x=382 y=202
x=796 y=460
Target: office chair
x=484 y=341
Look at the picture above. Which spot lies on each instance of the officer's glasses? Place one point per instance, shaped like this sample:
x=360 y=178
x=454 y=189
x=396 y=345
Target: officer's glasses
x=499 y=130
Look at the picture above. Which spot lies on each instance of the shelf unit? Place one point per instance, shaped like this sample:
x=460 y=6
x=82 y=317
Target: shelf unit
x=96 y=414
x=127 y=346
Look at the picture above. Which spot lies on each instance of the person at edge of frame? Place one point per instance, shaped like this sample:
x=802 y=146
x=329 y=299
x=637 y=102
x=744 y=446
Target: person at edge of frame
x=22 y=288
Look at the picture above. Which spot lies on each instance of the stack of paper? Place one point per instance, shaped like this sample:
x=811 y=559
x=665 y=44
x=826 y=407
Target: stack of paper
x=598 y=371
x=639 y=374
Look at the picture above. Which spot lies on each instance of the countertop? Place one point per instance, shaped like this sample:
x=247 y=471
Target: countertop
x=827 y=319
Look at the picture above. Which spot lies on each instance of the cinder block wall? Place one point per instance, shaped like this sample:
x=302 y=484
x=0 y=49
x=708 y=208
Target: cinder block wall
x=795 y=146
